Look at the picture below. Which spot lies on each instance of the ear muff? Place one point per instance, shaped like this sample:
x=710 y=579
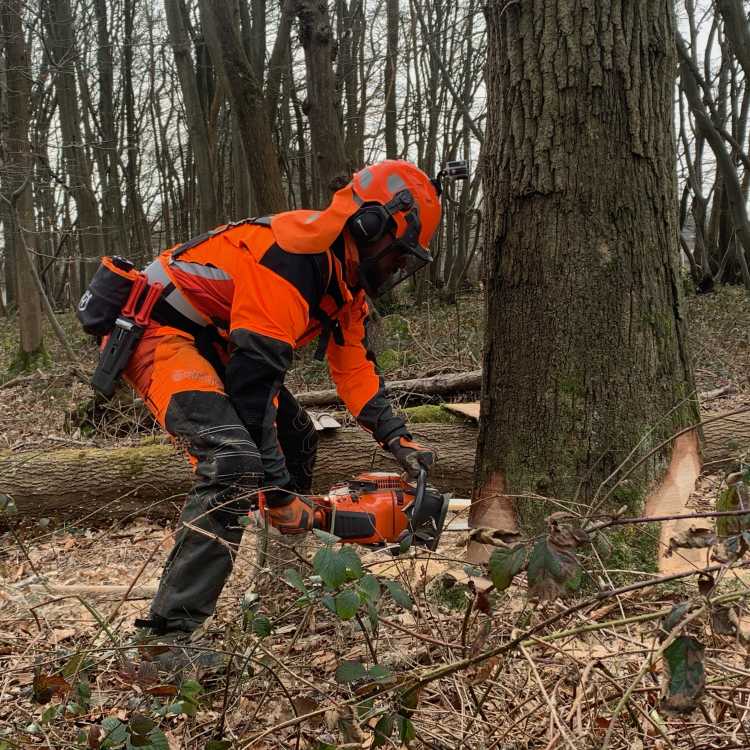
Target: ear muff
x=369 y=224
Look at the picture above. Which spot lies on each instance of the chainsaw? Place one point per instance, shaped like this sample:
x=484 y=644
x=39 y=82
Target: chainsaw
x=380 y=508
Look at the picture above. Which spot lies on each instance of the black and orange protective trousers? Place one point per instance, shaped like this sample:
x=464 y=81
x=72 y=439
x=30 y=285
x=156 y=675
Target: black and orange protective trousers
x=187 y=397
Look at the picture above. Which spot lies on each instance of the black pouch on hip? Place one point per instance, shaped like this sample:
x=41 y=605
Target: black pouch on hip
x=106 y=295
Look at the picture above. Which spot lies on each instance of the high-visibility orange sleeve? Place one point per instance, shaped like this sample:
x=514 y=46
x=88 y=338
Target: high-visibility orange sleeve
x=353 y=368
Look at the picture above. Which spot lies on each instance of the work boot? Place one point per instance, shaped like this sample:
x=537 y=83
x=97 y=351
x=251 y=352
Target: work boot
x=177 y=653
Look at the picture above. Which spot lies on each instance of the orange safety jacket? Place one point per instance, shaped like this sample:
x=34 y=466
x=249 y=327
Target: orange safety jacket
x=268 y=300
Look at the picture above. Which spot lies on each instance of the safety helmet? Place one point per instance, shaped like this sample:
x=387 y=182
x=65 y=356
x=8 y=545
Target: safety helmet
x=398 y=215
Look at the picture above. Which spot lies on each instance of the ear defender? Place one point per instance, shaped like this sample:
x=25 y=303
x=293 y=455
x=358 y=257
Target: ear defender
x=369 y=224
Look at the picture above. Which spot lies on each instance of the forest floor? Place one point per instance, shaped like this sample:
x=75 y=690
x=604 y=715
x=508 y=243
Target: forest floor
x=592 y=677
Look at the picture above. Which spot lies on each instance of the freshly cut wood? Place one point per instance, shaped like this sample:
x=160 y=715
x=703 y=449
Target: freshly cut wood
x=470 y=410
x=671 y=498
x=437 y=385
x=93 y=485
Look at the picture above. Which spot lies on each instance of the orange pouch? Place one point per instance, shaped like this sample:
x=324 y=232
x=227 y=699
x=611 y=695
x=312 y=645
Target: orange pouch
x=106 y=295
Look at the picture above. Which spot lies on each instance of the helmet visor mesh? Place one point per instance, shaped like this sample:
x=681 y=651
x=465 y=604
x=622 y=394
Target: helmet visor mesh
x=391 y=266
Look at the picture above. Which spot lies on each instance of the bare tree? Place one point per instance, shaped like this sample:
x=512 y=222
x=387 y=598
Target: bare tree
x=321 y=105
x=248 y=102
x=64 y=54
x=17 y=185
x=196 y=117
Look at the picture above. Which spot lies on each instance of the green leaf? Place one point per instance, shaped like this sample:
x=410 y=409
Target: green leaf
x=83 y=693
x=140 y=724
x=350 y=671
x=154 y=740
x=191 y=689
x=473 y=571
x=671 y=620
x=383 y=730
x=330 y=566
x=372 y=616
x=262 y=626
x=7 y=505
x=406 y=731
x=293 y=577
x=50 y=713
x=552 y=571
x=115 y=732
x=505 y=562
x=325 y=537
x=347 y=604
x=353 y=562
x=370 y=587
x=379 y=672
x=218 y=745
x=74 y=665
x=687 y=676
x=409 y=700
x=399 y=594
x=329 y=603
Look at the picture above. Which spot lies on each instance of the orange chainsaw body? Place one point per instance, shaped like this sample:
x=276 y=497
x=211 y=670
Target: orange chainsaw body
x=368 y=509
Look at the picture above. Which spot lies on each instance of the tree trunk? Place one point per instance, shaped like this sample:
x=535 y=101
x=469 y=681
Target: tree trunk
x=196 y=118
x=391 y=61
x=246 y=94
x=140 y=244
x=585 y=355
x=113 y=221
x=17 y=174
x=64 y=54
x=737 y=31
x=321 y=105
x=733 y=189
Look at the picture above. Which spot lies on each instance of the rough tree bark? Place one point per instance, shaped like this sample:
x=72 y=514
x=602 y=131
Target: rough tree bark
x=113 y=221
x=64 y=56
x=246 y=94
x=196 y=118
x=154 y=478
x=17 y=173
x=585 y=354
x=737 y=30
x=391 y=61
x=321 y=106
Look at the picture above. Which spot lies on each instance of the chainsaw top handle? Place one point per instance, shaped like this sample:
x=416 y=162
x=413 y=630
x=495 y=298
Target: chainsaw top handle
x=419 y=492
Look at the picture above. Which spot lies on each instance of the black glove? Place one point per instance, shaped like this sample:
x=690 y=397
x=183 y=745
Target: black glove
x=411 y=455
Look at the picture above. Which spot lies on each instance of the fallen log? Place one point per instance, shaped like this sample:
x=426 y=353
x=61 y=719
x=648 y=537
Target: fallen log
x=95 y=485
x=437 y=385
x=444 y=385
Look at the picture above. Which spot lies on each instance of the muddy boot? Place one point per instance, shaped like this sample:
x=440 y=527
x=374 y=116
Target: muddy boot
x=178 y=653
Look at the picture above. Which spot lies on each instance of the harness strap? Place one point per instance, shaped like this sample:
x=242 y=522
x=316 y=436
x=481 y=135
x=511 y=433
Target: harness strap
x=330 y=327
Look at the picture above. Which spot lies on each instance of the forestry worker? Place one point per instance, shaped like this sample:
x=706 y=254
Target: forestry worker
x=238 y=301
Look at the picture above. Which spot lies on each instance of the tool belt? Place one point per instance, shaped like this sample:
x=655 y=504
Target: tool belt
x=120 y=302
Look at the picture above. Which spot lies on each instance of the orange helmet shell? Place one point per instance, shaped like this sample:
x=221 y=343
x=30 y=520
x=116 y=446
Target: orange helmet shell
x=382 y=181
